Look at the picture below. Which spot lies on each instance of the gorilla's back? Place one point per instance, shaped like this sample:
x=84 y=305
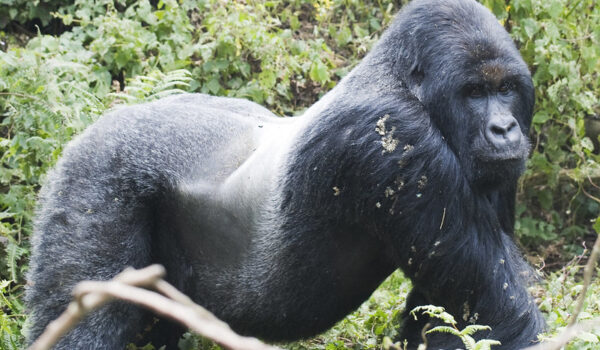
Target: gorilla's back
x=111 y=194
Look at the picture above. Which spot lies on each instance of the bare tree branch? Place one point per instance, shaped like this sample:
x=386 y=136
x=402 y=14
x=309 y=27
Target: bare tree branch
x=588 y=271
x=567 y=335
x=90 y=295
x=81 y=306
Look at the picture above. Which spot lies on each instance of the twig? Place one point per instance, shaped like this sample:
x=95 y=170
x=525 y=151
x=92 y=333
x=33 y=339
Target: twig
x=90 y=295
x=237 y=341
x=443 y=217
x=587 y=279
x=424 y=335
x=592 y=181
x=209 y=327
x=590 y=195
x=567 y=335
x=82 y=305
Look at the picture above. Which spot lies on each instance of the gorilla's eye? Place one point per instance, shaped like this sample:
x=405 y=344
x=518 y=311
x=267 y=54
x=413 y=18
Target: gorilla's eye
x=506 y=87
x=475 y=91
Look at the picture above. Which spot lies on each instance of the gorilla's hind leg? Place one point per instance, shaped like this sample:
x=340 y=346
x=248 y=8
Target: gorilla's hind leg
x=83 y=239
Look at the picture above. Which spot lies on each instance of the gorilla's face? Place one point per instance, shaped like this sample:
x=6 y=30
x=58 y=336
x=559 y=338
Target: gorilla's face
x=465 y=69
x=483 y=111
x=498 y=142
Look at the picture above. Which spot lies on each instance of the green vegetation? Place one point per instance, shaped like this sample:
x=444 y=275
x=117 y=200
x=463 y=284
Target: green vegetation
x=62 y=64
x=465 y=335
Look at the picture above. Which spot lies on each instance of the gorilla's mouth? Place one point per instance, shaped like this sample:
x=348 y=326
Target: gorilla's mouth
x=493 y=172
x=501 y=165
x=488 y=154
x=508 y=156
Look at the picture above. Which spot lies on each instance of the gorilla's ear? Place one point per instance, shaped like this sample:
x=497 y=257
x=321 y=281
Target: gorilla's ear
x=416 y=75
x=415 y=79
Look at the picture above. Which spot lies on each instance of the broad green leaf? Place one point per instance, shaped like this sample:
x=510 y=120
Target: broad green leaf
x=319 y=72
x=530 y=26
x=597 y=225
x=555 y=8
x=587 y=143
x=540 y=117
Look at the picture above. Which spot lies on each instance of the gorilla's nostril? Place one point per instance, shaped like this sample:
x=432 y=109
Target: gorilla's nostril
x=503 y=131
x=511 y=126
x=498 y=130
x=502 y=127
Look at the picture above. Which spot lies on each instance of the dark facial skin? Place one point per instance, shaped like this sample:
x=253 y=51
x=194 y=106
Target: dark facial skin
x=501 y=147
x=483 y=113
x=502 y=131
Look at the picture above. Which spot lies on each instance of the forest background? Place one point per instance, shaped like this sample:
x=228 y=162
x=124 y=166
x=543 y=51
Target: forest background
x=64 y=63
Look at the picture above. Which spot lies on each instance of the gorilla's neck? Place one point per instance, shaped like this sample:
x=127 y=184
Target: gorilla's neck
x=367 y=82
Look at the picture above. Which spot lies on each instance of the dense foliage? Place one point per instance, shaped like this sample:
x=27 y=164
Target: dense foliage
x=62 y=64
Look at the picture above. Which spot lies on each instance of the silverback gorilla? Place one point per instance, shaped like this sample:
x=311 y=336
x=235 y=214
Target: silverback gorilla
x=282 y=226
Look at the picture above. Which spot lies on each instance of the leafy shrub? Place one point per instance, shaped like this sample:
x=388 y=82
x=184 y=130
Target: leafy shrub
x=21 y=11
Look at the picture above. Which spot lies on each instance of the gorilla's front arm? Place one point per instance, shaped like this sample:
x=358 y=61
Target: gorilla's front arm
x=282 y=226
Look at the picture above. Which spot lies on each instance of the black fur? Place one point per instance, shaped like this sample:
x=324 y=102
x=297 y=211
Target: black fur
x=283 y=226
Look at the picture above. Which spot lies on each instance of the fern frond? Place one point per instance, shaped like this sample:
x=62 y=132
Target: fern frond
x=486 y=344
x=434 y=312
x=468 y=341
x=444 y=329
x=472 y=329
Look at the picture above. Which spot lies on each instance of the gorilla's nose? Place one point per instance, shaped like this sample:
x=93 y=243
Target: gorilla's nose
x=503 y=131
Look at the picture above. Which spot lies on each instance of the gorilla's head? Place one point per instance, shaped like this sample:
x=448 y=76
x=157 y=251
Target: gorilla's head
x=458 y=60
